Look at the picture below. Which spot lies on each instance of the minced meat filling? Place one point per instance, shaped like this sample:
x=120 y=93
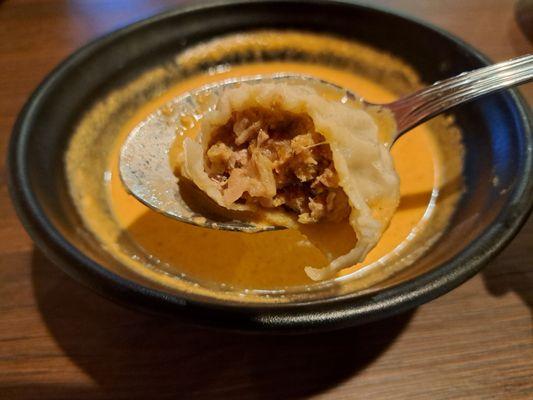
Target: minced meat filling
x=275 y=158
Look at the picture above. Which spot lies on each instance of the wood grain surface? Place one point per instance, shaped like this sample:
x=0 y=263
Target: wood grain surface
x=58 y=340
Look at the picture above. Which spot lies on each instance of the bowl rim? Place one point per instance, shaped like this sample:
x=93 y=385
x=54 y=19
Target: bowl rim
x=322 y=314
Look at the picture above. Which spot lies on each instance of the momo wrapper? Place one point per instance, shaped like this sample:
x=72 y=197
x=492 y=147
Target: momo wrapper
x=297 y=158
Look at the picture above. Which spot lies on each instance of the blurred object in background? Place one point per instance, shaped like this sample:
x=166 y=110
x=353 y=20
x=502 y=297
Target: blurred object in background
x=524 y=16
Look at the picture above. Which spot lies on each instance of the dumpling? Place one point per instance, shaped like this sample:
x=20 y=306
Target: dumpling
x=297 y=158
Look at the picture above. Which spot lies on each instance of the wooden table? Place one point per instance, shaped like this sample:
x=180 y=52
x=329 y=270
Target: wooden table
x=58 y=340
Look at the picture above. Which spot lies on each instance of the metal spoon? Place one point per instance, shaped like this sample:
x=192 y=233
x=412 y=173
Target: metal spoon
x=144 y=160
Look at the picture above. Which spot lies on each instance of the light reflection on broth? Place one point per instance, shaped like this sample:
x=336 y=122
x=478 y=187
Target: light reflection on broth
x=272 y=259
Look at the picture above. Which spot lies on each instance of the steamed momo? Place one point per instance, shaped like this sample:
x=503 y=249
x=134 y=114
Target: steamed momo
x=297 y=158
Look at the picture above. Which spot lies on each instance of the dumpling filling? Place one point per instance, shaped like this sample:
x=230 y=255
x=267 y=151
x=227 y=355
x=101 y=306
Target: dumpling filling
x=271 y=158
x=285 y=150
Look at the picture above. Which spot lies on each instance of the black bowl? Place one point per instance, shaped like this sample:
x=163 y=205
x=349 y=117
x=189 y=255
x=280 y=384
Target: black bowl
x=498 y=142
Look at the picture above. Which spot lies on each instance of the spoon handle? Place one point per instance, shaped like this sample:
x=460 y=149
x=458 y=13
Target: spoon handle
x=421 y=105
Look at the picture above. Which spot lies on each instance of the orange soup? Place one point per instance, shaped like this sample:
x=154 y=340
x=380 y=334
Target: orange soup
x=269 y=260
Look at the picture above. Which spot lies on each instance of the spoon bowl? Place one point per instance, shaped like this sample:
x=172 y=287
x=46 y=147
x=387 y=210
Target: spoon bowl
x=145 y=165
